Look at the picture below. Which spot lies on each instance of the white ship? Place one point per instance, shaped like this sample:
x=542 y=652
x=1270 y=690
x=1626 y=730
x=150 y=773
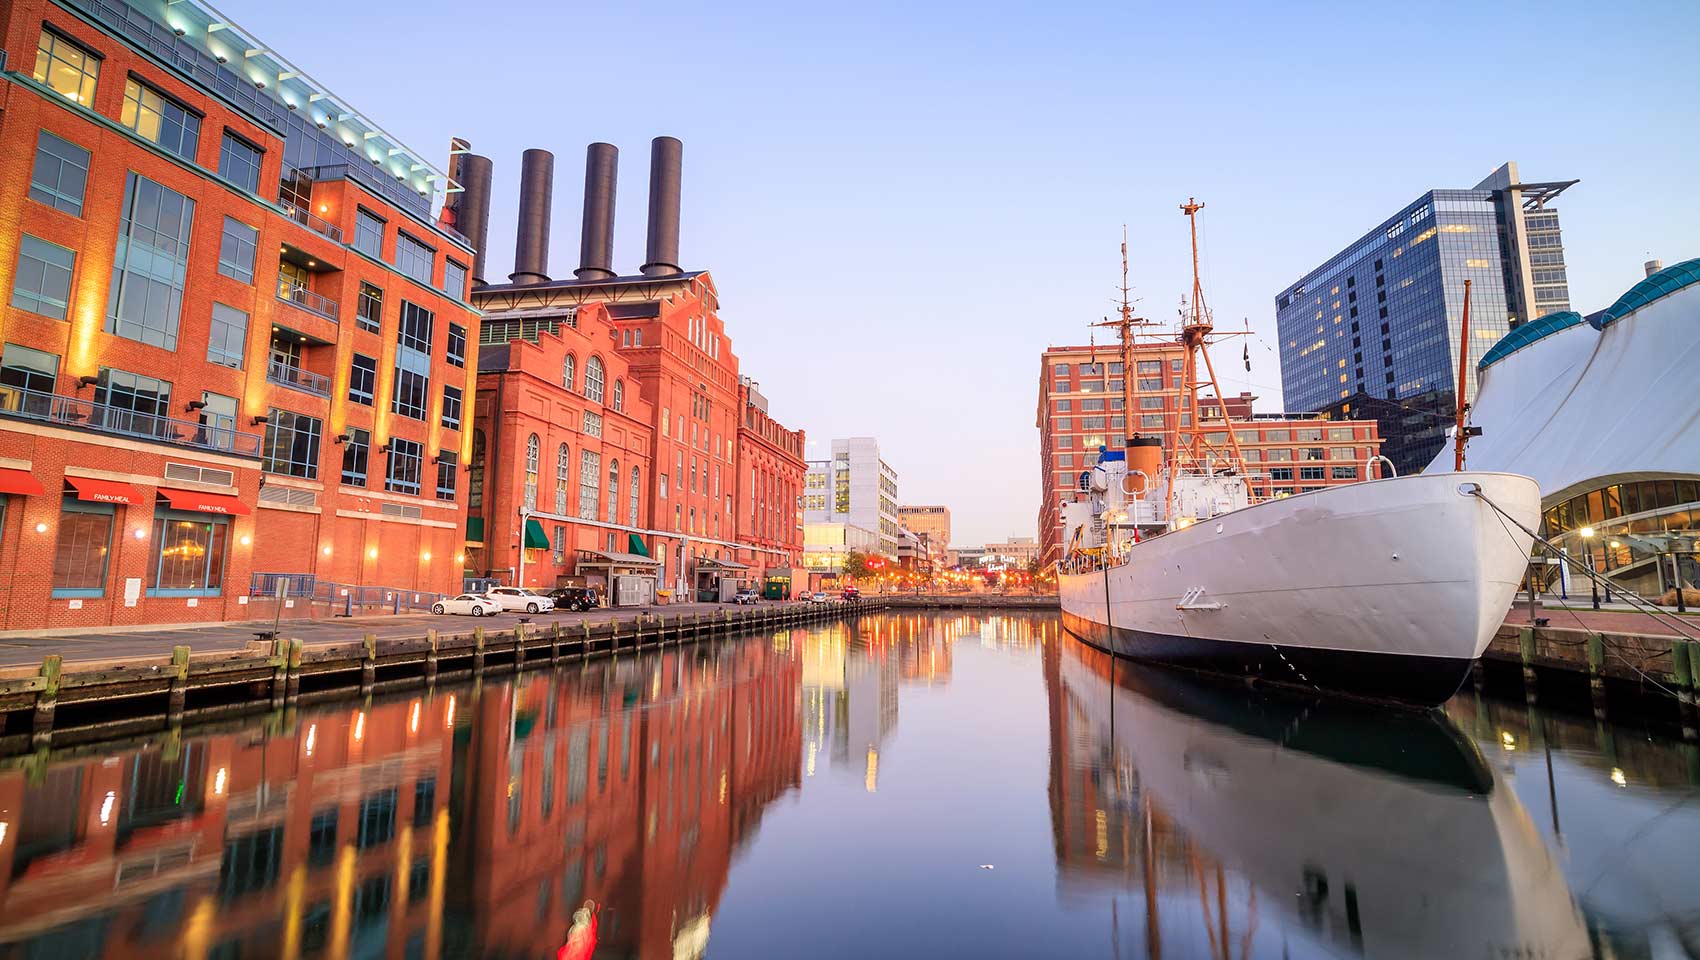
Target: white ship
x=1385 y=589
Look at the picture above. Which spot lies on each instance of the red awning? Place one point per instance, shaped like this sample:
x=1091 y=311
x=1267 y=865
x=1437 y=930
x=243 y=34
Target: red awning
x=20 y=482
x=104 y=491
x=204 y=502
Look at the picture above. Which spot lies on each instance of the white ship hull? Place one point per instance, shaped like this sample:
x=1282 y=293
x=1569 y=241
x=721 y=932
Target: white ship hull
x=1386 y=589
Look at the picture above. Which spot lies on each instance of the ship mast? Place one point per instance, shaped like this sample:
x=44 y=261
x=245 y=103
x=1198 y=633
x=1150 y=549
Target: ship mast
x=1125 y=324
x=1191 y=447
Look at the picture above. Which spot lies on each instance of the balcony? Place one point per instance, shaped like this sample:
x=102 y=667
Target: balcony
x=308 y=218
x=316 y=304
x=83 y=414
x=296 y=378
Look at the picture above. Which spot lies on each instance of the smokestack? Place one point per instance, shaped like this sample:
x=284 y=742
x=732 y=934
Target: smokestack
x=536 y=193
x=470 y=209
x=596 y=244
x=1653 y=266
x=665 y=154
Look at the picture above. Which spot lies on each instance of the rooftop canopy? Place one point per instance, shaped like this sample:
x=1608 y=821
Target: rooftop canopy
x=1527 y=334
x=1661 y=284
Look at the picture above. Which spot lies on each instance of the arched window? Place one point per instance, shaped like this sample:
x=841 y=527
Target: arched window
x=532 y=445
x=593 y=380
x=632 y=496
x=563 y=460
x=614 y=490
x=589 y=483
x=619 y=395
x=569 y=372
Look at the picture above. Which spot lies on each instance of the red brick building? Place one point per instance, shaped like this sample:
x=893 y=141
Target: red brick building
x=770 y=487
x=235 y=341
x=1081 y=408
x=563 y=433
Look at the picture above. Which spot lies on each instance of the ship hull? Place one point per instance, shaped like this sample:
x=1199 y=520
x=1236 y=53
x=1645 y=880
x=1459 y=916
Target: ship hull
x=1383 y=590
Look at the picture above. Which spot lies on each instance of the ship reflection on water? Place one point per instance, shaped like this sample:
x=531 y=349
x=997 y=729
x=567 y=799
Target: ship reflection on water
x=890 y=764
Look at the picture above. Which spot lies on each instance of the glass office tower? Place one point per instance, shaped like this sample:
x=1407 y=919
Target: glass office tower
x=1374 y=331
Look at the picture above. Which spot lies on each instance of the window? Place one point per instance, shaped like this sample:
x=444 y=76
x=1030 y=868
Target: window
x=448 y=466
x=66 y=68
x=406 y=466
x=589 y=476
x=369 y=314
x=1310 y=473
x=661 y=487
x=593 y=380
x=84 y=542
x=291 y=445
x=362 y=379
x=236 y=250
x=368 y=233
x=25 y=368
x=451 y=407
x=1344 y=473
x=457 y=345
x=239 y=162
x=413 y=362
x=43 y=283
x=568 y=372
x=454 y=279
x=150 y=262
x=416 y=327
x=135 y=403
x=560 y=556
x=563 y=460
x=413 y=258
x=160 y=119
x=188 y=554
x=227 y=340
x=619 y=395
x=377 y=818
x=60 y=174
x=533 y=447
x=1280 y=473
x=632 y=500
x=592 y=424
x=356 y=451
x=614 y=490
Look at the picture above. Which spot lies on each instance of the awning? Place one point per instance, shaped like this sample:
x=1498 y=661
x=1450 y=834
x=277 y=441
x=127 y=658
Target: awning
x=609 y=558
x=706 y=564
x=104 y=491
x=637 y=546
x=20 y=482
x=204 y=502
x=535 y=538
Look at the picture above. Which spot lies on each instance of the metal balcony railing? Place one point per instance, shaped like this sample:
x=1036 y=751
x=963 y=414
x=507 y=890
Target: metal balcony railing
x=308 y=218
x=73 y=412
x=298 y=379
x=374 y=180
x=307 y=300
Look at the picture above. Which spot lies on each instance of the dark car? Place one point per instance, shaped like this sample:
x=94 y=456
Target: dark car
x=575 y=598
x=850 y=593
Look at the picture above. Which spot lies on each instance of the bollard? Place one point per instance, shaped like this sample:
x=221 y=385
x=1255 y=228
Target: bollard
x=369 y=663
x=478 y=651
x=431 y=656
x=47 y=700
x=296 y=648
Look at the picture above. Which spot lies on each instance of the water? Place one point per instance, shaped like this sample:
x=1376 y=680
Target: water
x=904 y=786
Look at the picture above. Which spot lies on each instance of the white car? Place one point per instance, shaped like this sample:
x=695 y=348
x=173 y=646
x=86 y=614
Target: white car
x=521 y=599
x=818 y=597
x=475 y=604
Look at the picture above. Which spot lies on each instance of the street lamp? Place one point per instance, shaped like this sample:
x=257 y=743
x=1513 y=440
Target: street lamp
x=524 y=518
x=1587 y=534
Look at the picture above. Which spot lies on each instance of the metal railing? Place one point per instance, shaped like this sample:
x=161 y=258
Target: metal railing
x=73 y=412
x=298 y=379
x=383 y=186
x=306 y=299
x=308 y=218
x=340 y=599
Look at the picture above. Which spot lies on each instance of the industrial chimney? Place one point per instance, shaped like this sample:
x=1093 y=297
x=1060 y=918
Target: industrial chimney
x=1653 y=266
x=469 y=210
x=665 y=154
x=596 y=244
x=536 y=193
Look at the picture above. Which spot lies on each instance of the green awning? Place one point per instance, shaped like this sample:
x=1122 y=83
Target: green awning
x=535 y=538
x=637 y=546
x=475 y=529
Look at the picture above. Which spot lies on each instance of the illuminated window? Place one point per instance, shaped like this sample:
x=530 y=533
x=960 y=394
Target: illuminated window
x=66 y=68
x=160 y=119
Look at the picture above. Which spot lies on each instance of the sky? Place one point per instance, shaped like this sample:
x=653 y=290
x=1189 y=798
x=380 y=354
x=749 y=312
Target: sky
x=903 y=204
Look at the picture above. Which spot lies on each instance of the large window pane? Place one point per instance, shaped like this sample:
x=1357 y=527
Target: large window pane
x=405 y=466
x=236 y=250
x=239 y=162
x=160 y=119
x=149 y=264
x=188 y=553
x=60 y=175
x=66 y=68
x=43 y=283
x=368 y=234
x=291 y=445
x=80 y=555
x=413 y=258
x=227 y=342
x=355 y=452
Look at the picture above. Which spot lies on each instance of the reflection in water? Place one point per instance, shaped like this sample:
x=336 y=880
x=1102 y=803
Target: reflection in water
x=1204 y=821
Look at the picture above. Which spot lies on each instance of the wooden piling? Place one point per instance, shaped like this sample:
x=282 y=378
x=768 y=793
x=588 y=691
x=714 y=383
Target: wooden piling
x=1526 y=646
x=1682 y=671
x=368 y=663
x=47 y=700
x=478 y=651
x=293 y=689
x=431 y=656
x=555 y=642
x=520 y=630
x=179 y=684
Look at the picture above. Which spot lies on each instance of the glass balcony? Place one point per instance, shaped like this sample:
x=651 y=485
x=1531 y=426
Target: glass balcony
x=83 y=414
x=308 y=218
x=296 y=378
x=306 y=299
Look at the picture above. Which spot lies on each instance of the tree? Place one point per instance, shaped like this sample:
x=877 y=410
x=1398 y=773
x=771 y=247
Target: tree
x=856 y=565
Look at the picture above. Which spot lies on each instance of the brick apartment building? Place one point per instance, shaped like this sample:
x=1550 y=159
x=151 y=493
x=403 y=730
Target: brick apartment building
x=667 y=330
x=770 y=468
x=1081 y=407
x=234 y=339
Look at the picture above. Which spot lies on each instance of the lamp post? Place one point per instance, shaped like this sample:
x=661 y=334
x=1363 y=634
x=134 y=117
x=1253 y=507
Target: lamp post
x=1587 y=534
x=1613 y=545
x=524 y=523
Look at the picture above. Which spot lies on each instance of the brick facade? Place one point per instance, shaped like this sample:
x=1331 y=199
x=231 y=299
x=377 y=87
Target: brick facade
x=770 y=469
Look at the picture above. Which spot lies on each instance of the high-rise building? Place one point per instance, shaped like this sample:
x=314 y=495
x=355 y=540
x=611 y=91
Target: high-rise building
x=932 y=521
x=1375 y=329
x=1080 y=411
x=857 y=487
x=236 y=337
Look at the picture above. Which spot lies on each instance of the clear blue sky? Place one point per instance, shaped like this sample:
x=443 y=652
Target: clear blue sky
x=904 y=203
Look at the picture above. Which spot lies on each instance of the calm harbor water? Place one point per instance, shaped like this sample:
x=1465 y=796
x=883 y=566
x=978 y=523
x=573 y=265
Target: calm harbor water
x=900 y=786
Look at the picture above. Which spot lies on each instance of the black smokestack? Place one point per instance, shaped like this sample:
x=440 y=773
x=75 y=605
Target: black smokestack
x=596 y=245
x=470 y=209
x=665 y=155
x=536 y=193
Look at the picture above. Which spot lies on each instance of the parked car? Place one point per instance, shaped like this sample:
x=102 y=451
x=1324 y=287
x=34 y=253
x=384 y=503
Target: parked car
x=521 y=599
x=475 y=604
x=746 y=596
x=575 y=598
x=850 y=593
x=819 y=597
